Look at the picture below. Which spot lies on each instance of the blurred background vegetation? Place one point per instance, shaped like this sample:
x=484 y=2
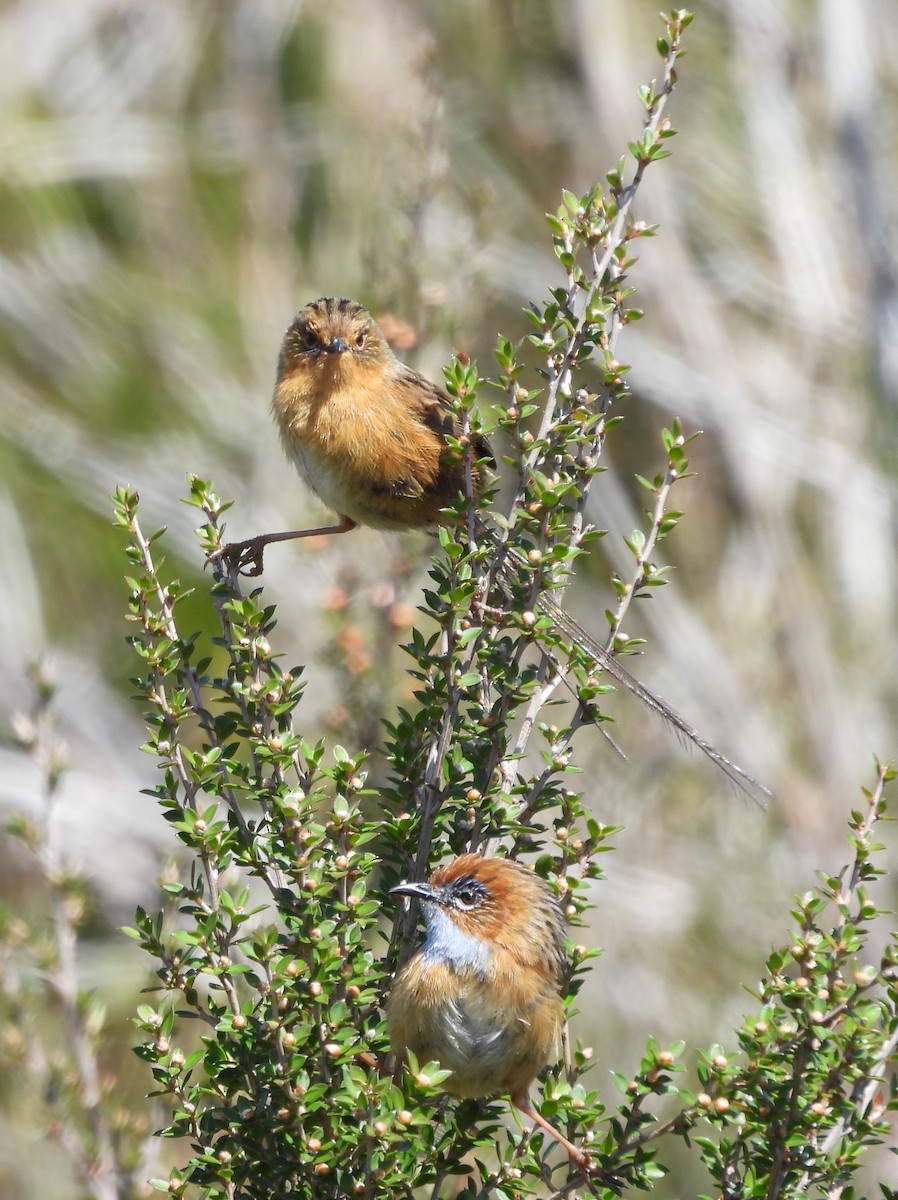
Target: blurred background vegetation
x=178 y=176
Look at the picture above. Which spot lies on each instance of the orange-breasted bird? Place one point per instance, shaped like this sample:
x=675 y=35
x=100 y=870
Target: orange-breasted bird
x=482 y=994
x=367 y=433
x=369 y=436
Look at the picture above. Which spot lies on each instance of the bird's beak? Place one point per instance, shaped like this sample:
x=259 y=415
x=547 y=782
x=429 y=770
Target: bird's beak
x=422 y=891
x=336 y=346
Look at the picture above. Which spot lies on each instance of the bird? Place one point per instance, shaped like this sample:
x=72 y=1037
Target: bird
x=370 y=437
x=482 y=994
x=366 y=432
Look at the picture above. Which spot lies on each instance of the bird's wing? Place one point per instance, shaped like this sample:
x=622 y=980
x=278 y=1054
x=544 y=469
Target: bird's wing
x=437 y=413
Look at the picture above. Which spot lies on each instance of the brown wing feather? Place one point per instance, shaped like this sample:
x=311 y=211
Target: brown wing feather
x=437 y=413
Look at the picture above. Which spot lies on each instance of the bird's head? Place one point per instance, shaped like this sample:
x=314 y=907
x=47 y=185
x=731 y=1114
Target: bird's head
x=474 y=906
x=332 y=336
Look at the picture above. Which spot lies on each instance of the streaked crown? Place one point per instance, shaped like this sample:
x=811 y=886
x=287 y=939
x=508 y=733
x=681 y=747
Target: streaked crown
x=332 y=326
x=501 y=902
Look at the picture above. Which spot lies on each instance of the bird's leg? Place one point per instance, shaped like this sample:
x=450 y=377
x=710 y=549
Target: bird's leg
x=240 y=555
x=578 y=1157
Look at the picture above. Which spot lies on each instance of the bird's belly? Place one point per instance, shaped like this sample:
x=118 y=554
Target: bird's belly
x=367 y=457
x=489 y=1046
x=477 y=1049
x=346 y=493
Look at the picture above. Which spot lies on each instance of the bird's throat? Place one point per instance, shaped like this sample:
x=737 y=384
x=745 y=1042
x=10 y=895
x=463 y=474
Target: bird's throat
x=449 y=945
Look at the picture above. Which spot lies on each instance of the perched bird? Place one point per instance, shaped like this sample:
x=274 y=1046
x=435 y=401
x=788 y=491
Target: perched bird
x=366 y=433
x=482 y=995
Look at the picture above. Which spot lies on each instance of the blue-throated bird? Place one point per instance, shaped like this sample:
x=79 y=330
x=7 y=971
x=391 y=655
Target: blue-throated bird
x=482 y=995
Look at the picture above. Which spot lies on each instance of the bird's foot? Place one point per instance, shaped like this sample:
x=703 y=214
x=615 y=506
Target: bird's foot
x=240 y=558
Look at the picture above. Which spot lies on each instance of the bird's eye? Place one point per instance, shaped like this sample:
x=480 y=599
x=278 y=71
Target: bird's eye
x=360 y=340
x=309 y=338
x=469 y=895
